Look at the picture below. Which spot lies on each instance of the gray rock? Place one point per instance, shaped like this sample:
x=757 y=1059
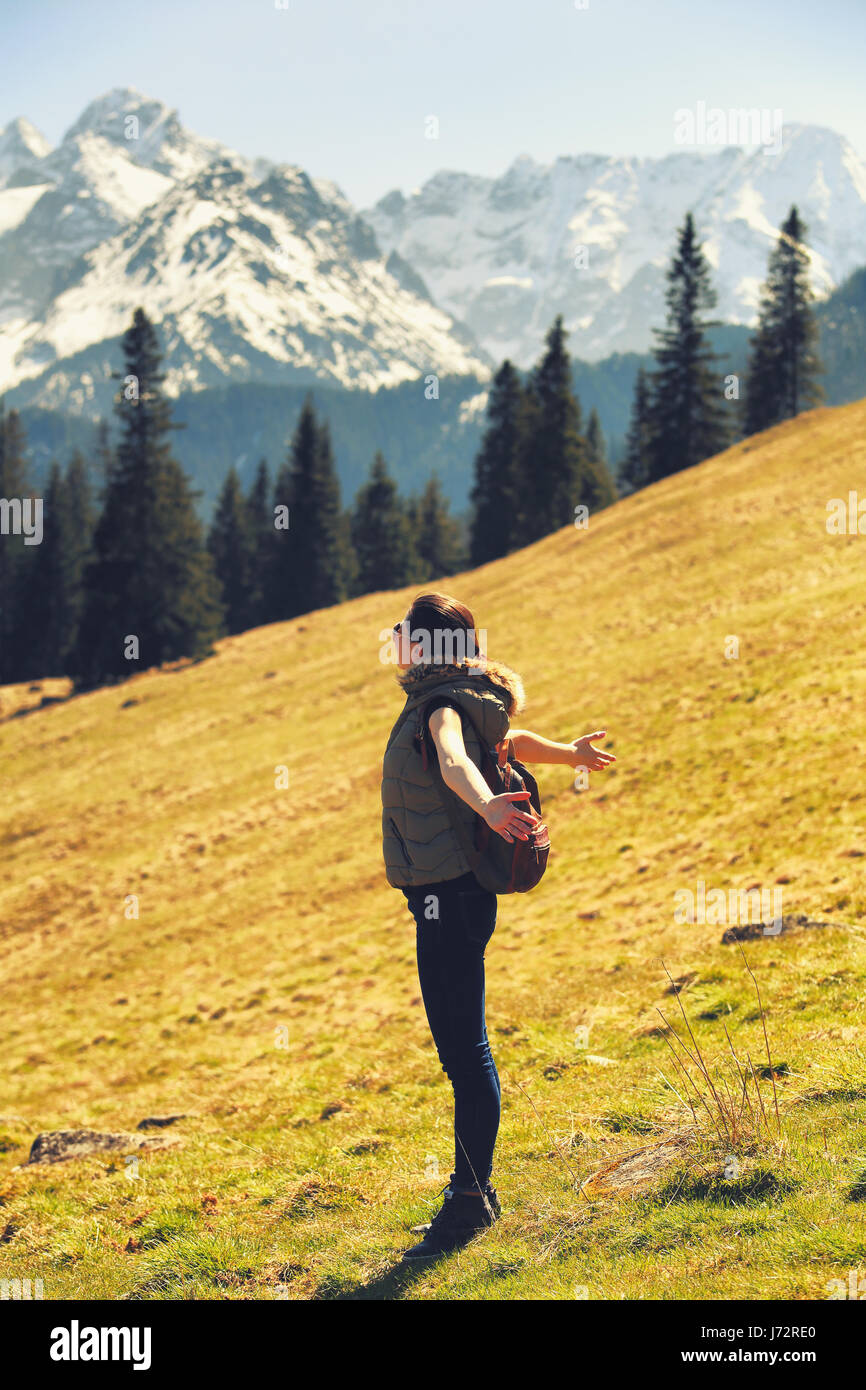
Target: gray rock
x=757 y=931
x=55 y=1146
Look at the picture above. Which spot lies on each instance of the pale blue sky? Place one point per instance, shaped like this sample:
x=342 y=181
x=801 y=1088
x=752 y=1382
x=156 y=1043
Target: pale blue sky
x=343 y=87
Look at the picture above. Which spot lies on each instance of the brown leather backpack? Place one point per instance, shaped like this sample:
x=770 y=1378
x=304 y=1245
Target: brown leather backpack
x=499 y=866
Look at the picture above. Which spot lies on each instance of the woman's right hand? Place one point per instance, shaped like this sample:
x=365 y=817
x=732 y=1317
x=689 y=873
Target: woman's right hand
x=509 y=820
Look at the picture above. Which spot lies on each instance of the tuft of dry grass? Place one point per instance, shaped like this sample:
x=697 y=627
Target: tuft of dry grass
x=729 y=1095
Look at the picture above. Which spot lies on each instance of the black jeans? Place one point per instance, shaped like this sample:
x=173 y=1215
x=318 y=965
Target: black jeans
x=450 y=950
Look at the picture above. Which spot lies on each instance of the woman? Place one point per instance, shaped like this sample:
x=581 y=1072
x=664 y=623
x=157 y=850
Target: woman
x=468 y=698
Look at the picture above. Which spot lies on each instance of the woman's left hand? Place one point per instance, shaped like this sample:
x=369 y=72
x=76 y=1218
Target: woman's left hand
x=595 y=759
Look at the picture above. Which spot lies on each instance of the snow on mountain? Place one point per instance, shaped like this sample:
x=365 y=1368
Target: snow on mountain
x=21 y=144
x=15 y=203
x=150 y=133
x=87 y=192
x=255 y=271
x=268 y=281
x=124 y=152
x=591 y=236
x=95 y=190
x=251 y=271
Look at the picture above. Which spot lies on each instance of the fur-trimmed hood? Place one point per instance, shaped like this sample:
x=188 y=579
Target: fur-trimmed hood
x=505 y=678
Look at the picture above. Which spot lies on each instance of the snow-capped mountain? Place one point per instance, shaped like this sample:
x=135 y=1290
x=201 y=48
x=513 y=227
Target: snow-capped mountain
x=260 y=272
x=252 y=271
x=591 y=237
x=122 y=154
x=20 y=145
x=151 y=134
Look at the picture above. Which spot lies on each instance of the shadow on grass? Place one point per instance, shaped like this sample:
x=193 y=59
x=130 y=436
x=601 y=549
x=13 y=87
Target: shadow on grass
x=843 y=1093
x=857 y=1191
x=624 y=1122
x=390 y=1285
x=761 y=1185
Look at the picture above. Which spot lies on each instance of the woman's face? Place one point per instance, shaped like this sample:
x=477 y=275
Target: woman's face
x=403 y=648
x=407 y=653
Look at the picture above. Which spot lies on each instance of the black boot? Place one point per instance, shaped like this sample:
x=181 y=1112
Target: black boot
x=489 y=1193
x=459 y=1219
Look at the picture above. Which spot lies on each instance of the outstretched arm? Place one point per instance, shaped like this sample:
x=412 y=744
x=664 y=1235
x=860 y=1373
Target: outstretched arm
x=511 y=815
x=532 y=748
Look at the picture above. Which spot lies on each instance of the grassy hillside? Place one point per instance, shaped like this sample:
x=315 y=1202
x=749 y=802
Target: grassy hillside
x=267 y=989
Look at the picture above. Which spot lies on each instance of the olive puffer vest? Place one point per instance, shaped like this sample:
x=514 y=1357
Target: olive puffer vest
x=419 y=843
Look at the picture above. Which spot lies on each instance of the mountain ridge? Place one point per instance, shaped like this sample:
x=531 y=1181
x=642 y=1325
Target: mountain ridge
x=263 y=273
x=500 y=252
x=254 y=270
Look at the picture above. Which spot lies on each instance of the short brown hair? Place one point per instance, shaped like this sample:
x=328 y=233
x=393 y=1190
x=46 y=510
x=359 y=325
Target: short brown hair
x=434 y=612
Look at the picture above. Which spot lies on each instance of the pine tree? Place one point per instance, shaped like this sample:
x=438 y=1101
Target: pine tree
x=412 y=516
x=349 y=555
x=601 y=485
x=310 y=564
x=280 y=599
x=686 y=411
x=554 y=474
x=15 y=556
x=412 y=512
x=151 y=578
x=341 y=566
x=77 y=549
x=104 y=456
x=260 y=518
x=43 y=587
x=381 y=534
x=634 y=468
x=436 y=534
x=596 y=448
x=494 y=495
x=55 y=597
x=231 y=547
x=783 y=360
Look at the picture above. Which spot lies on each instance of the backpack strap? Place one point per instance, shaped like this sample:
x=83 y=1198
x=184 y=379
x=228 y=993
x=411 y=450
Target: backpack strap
x=473 y=854
x=422 y=730
x=506 y=751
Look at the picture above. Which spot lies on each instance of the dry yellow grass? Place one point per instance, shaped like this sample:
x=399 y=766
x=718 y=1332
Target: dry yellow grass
x=268 y=984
